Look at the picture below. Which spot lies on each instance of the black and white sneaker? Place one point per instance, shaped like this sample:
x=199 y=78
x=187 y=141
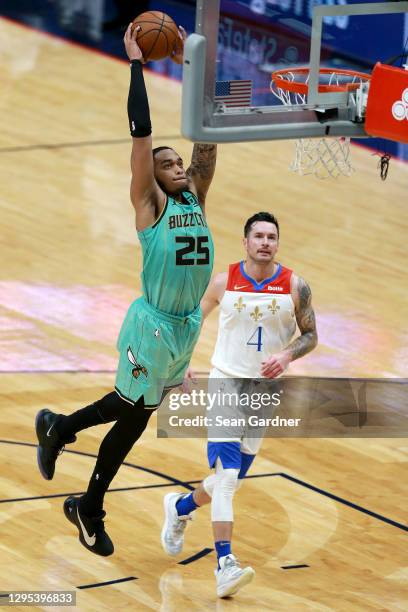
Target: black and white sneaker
x=92 y=532
x=50 y=444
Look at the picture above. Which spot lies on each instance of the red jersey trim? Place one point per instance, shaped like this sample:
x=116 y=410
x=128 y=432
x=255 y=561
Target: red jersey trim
x=237 y=281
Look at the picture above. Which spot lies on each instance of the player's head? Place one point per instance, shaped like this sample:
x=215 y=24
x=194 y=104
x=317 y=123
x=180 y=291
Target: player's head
x=169 y=171
x=261 y=237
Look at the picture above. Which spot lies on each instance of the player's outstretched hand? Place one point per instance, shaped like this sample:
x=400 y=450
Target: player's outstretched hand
x=275 y=365
x=132 y=48
x=178 y=51
x=189 y=381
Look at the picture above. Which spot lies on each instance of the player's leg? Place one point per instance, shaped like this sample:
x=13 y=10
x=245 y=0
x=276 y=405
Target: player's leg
x=230 y=576
x=55 y=430
x=250 y=446
x=87 y=512
x=143 y=366
x=179 y=507
x=202 y=495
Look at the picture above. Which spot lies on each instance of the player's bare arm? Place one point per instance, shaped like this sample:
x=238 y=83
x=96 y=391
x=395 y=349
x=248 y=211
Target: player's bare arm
x=201 y=170
x=303 y=344
x=204 y=157
x=213 y=295
x=305 y=318
x=146 y=196
x=210 y=300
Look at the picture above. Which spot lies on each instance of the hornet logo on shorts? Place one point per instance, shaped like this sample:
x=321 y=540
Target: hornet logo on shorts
x=138 y=368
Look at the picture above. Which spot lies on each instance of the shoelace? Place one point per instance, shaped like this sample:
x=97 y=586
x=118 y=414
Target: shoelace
x=60 y=449
x=57 y=450
x=180 y=526
x=231 y=564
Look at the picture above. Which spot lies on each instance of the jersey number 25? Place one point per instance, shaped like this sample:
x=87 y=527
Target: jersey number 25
x=195 y=245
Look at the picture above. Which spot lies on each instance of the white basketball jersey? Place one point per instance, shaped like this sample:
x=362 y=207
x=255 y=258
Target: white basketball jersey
x=256 y=321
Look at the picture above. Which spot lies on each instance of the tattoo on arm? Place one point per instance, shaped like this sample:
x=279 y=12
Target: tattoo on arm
x=202 y=167
x=305 y=318
x=203 y=161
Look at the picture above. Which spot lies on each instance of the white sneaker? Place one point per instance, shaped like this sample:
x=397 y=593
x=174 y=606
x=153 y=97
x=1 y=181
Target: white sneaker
x=172 y=534
x=231 y=576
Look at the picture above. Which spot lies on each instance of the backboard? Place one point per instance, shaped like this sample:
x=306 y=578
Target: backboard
x=237 y=46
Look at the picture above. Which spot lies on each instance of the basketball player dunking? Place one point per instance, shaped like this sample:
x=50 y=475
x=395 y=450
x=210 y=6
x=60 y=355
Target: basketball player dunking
x=260 y=302
x=161 y=328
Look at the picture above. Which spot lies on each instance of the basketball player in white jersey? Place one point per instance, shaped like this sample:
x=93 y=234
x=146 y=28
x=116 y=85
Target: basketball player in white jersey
x=260 y=303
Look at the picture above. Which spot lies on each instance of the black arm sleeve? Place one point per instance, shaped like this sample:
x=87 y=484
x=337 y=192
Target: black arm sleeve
x=138 y=104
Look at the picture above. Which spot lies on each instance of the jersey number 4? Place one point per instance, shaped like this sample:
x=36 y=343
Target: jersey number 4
x=196 y=246
x=258 y=341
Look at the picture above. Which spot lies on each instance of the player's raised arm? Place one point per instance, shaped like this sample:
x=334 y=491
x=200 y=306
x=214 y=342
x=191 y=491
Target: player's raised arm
x=204 y=157
x=202 y=168
x=146 y=196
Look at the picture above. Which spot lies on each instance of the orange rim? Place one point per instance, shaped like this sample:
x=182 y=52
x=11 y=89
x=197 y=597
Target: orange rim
x=302 y=88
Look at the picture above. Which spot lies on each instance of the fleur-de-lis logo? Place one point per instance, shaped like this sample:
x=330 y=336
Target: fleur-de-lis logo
x=274 y=306
x=239 y=305
x=256 y=314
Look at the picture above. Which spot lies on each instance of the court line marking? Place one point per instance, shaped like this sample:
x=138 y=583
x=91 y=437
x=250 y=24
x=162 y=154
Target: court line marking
x=79 y=143
x=115 y=490
x=62 y=38
x=187 y=485
x=93 y=456
x=82 y=371
x=345 y=502
x=58 y=371
x=199 y=555
x=99 y=584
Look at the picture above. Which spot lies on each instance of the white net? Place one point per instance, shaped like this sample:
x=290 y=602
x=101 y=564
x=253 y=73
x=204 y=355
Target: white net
x=323 y=157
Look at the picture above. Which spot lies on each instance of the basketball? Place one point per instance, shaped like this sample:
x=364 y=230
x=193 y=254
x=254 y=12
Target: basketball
x=157 y=36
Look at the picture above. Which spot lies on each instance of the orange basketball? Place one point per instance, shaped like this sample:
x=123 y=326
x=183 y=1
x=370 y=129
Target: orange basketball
x=157 y=36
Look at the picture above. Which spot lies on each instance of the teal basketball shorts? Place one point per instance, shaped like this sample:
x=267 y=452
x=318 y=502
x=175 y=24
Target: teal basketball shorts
x=155 y=350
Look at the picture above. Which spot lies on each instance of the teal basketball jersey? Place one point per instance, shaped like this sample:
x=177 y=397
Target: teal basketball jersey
x=178 y=254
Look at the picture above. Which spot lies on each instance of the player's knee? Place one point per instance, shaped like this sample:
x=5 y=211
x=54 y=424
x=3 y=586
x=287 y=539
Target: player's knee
x=228 y=479
x=226 y=484
x=134 y=418
x=208 y=484
x=224 y=489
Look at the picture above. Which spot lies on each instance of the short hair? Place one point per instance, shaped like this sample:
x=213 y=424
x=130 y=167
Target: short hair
x=261 y=216
x=158 y=149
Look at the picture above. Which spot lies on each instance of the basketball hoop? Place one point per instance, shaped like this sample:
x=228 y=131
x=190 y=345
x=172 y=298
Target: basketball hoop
x=322 y=157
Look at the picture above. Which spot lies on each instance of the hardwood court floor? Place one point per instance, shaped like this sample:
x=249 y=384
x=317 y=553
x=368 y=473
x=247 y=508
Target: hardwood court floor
x=70 y=267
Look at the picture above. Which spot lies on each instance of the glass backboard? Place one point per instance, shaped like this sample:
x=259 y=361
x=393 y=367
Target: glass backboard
x=237 y=46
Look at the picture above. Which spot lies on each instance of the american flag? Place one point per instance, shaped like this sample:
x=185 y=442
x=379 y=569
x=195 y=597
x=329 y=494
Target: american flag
x=233 y=93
